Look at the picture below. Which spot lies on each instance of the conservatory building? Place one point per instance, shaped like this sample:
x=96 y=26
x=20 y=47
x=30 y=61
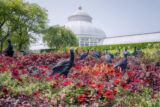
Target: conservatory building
x=80 y=23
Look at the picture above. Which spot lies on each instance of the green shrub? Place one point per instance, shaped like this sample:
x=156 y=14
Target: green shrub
x=143 y=45
x=47 y=50
x=112 y=47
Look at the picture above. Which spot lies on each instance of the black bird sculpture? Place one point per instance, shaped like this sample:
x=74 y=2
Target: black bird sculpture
x=83 y=55
x=108 y=57
x=139 y=51
x=112 y=56
x=64 y=66
x=9 y=51
x=122 y=63
x=134 y=53
x=117 y=53
x=96 y=54
x=126 y=52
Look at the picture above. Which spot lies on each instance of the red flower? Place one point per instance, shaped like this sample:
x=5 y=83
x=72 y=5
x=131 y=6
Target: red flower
x=116 y=70
x=118 y=74
x=124 y=85
x=55 y=85
x=87 y=92
x=136 y=80
x=35 y=93
x=45 y=66
x=3 y=69
x=18 y=78
x=130 y=74
x=116 y=82
x=48 y=78
x=77 y=67
x=67 y=82
x=114 y=91
x=80 y=97
x=95 y=73
x=4 y=89
x=21 y=67
x=99 y=85
x=43 y=72
x=78 y=84
x=110 y=72
x=57 y=74
x=108 y=94
x=99 y=92
x=90 y=82
x=15 y=72
x=24 y=72
x=35 y=75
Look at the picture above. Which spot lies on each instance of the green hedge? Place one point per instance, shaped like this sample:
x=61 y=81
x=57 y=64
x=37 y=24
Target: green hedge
x=47 y=50
x=142 y=45
x=122 y=46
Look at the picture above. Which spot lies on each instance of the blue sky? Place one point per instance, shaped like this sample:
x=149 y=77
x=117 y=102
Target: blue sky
x=115 y=17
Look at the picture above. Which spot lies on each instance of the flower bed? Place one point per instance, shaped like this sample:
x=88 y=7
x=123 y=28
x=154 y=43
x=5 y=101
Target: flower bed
x=26 y=81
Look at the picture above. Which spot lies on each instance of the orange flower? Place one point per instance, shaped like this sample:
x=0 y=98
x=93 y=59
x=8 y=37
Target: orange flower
x=80 y=97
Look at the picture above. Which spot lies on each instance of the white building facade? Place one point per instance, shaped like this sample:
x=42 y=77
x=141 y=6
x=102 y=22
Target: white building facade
x=136 y=38
x=80 y=23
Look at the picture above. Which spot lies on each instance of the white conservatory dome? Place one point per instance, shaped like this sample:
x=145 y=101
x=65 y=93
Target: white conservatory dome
x=80 y=23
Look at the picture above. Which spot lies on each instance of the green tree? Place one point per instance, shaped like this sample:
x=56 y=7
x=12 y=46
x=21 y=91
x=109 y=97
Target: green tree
x=25 y=20
x=32 y=20
x=8 y=19
x=59 y=37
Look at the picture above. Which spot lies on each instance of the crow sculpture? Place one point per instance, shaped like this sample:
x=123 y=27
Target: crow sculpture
x=9 y=51
x=96 y=54
x=139 y=51
x=64 y=66
x=108 y=57
x=126 y=52
x=112 y=56
x=117 y=53
x=83 y=55
x=122 y=63
x=134 y=53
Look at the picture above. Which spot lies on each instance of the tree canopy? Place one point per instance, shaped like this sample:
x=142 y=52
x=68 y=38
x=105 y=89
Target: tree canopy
x=60 y=37
x=20 y=21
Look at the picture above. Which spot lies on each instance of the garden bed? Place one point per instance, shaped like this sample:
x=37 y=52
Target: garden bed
x=26 y=81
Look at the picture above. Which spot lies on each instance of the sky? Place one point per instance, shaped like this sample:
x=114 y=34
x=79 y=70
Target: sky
x=114 y=17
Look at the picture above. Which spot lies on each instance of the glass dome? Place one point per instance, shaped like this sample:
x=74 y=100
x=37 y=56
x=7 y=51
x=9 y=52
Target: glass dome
x=81 y=24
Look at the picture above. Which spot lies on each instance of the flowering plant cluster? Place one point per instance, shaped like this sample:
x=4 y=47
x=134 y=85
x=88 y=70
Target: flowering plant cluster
x=26 y=81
